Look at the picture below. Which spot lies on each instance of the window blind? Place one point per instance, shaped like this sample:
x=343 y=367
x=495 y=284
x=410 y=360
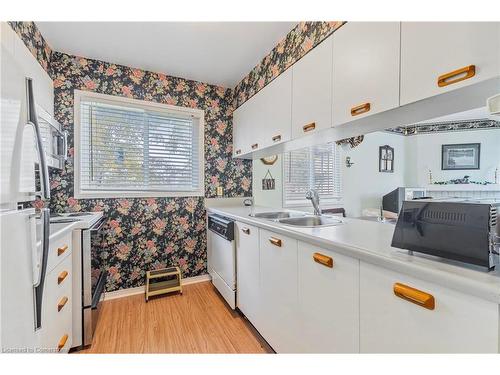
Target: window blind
x=125 y=148
x=316 y=168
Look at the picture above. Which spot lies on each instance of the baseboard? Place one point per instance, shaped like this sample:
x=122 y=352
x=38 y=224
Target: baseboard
x=141 y=289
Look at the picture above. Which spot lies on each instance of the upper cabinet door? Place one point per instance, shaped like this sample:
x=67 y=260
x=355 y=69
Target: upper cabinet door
x=242 y=120
x=312 y=91
x=43 y=85
x=265 y=119
x=437 y=57
x=365 y=69
x=274 y=112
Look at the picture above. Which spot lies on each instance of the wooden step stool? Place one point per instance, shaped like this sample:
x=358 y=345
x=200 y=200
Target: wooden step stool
x=167 y=280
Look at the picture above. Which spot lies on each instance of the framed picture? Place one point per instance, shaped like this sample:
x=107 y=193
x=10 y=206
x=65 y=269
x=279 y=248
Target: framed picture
x=386 y=159
x=460 y=156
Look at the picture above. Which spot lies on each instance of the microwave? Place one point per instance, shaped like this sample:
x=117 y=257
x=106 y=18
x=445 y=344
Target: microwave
x=460 y=229
x=54 y=139
x=393 y=201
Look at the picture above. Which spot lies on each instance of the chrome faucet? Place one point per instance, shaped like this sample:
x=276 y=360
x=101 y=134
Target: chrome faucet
x=313 y=196
x=249 y=202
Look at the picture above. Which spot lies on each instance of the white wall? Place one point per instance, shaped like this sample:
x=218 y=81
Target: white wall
x=424 y=153
x=267 y=198
x=362 y=184
x=273 y=198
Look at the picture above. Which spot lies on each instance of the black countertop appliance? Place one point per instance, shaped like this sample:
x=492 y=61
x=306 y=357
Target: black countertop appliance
x=461 y=229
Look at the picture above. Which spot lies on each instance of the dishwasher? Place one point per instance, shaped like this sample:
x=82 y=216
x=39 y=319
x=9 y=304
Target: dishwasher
x=221 y=256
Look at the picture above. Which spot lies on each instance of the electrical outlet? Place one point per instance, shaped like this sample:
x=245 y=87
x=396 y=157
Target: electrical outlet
x=220 y=191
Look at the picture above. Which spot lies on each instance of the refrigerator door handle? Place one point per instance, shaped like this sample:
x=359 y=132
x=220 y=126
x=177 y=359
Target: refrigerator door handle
x=33 y=121
x=39 y=284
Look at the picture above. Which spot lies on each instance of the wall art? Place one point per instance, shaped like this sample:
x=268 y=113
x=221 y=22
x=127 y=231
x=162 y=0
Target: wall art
x=460 y=156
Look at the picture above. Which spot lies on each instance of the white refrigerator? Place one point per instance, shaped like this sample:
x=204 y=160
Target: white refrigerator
x=24 y=247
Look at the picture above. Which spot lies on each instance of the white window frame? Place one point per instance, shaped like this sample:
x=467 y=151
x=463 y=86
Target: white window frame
x=198 y=114
x=325 y=202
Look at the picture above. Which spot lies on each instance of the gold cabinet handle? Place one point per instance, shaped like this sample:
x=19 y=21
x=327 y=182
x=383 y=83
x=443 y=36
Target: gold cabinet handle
x=238 y=152
x=359 y=109
x=277 y=138
x=61 y=303
x=61 y=277
x=275 y=241
x=62 y=342
x=254 y=146
x=415 y=296
x=309 y=127
x=61 y=250
x=456 y=76
x=245 y=230
x=325 y=260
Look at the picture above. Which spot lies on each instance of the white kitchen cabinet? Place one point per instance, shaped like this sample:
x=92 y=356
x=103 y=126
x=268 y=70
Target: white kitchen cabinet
x=43 y=85
x=328 y=285
x=278 y=286
x=437 y=57
x=247 y=257
x=388 y=323
x=365 y=69
x=243 y=118
x=312 y=90
x=59 y=249
x=56 y=331
x=274 y=112
x=7 y=36
x=265 y=119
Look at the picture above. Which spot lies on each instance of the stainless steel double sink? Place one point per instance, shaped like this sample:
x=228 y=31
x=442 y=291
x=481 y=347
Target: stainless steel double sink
x=299 y=219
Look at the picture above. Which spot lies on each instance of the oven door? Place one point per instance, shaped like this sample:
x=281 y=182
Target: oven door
x=93 y=280
x=97 y=295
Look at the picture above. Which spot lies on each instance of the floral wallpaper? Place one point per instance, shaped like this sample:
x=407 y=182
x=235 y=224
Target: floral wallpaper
x=300 y=40
x=34 y=40
x=152 y=232
x=149 y=233
x=155 y=232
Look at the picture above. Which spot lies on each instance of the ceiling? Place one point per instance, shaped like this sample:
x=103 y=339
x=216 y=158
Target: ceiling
x=219 y=53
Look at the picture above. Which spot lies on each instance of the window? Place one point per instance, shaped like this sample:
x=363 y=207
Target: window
x=132 y=148
x=315 y=167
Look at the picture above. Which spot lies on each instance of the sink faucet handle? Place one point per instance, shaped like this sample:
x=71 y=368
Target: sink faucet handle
x=248 y=201
x=312 y=194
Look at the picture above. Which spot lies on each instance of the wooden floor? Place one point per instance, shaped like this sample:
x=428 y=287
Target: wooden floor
x=198 y=321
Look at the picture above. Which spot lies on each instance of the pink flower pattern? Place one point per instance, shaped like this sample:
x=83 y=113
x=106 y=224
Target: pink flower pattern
x=150 y=233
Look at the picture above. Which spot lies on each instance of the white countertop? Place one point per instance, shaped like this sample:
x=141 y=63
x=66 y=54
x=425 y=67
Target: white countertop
x=371 y=242
x=58 y=229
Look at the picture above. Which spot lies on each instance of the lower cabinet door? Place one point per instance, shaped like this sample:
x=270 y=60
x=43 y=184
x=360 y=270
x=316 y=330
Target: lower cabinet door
x=278 y=285
x=328 y=301
x=56 y=331
x=247 y=260
x=403 y=314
